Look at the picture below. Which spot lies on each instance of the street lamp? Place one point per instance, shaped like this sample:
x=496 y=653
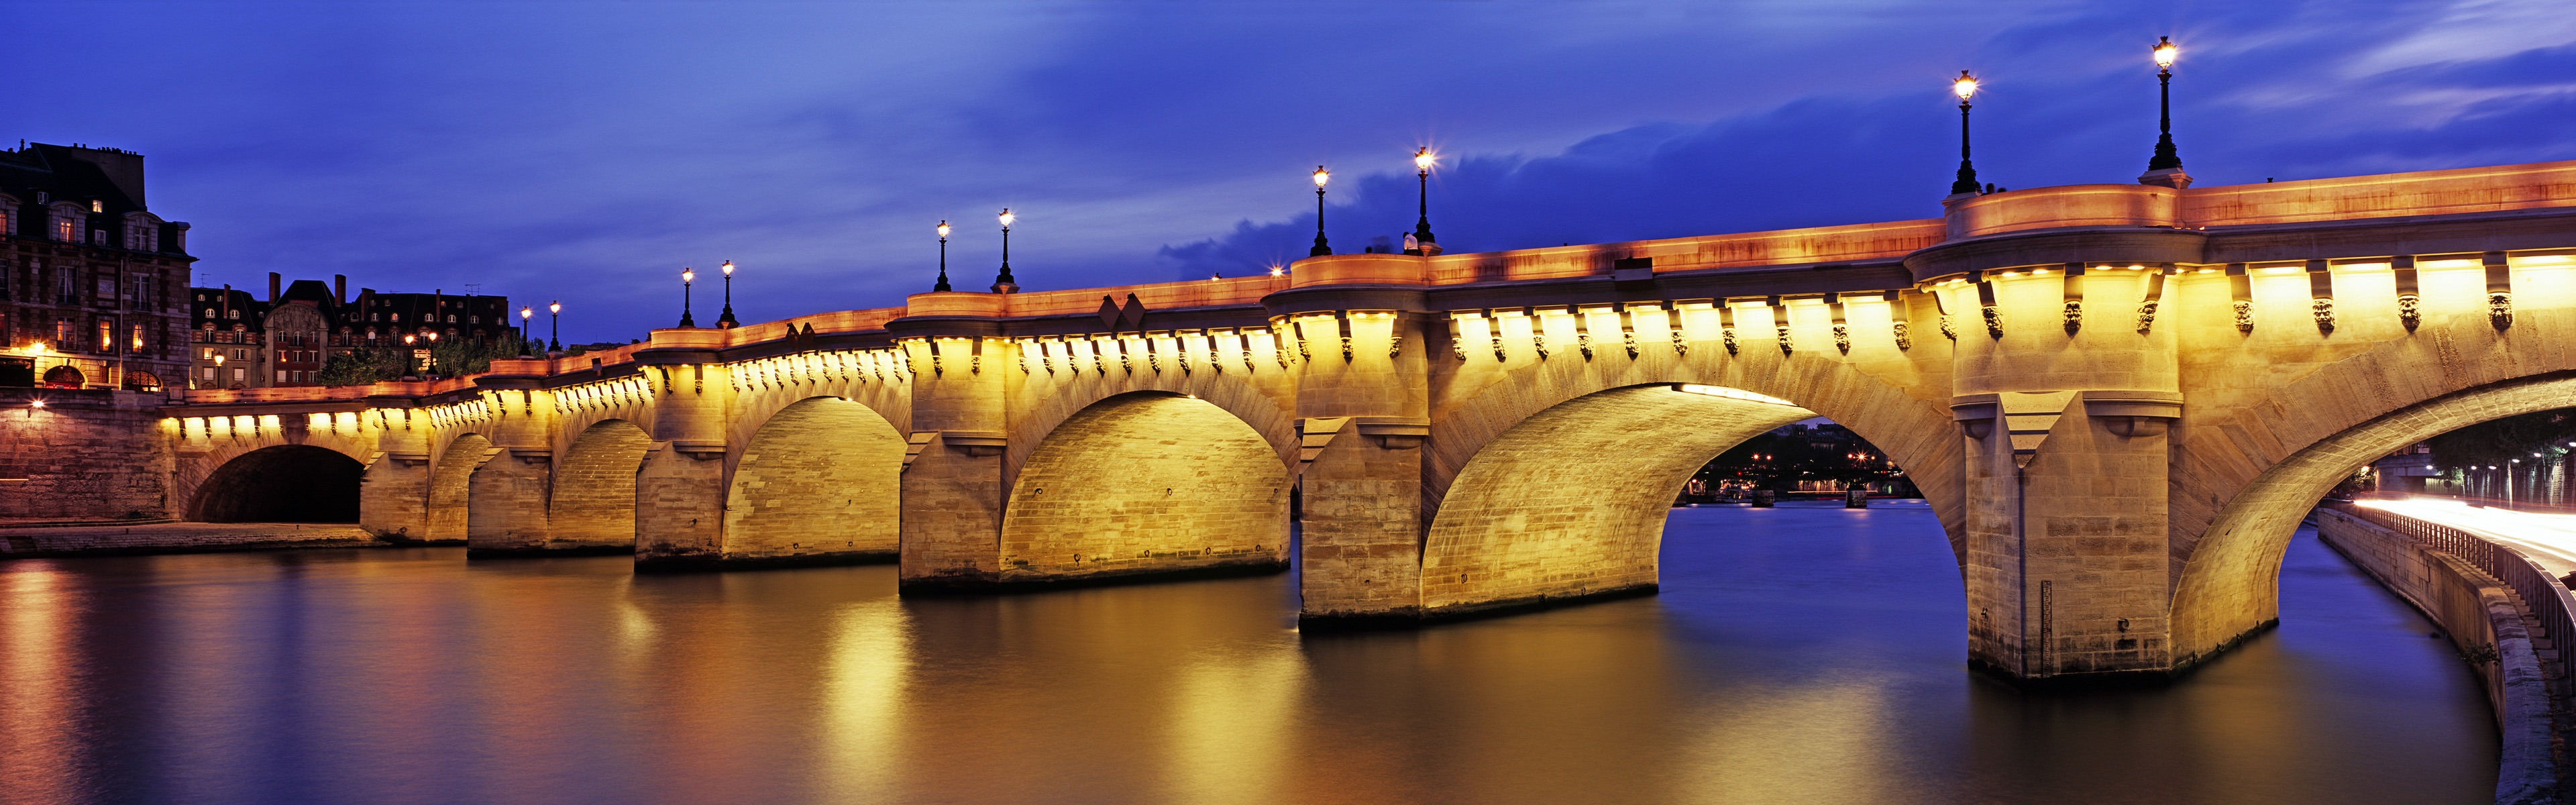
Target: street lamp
x=942 y=287
x=688 y=277
x=1321 y=248
x=1003 y=283
x=1965 y=86
x=554 y=326
x=2165 y=168
x=525 y=313
x=1422 y=162
x=727 y=321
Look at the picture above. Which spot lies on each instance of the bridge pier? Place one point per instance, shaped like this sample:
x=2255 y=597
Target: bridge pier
x=680 y=490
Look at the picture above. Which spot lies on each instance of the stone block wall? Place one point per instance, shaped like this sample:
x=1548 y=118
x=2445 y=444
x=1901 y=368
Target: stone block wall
x=86 y=455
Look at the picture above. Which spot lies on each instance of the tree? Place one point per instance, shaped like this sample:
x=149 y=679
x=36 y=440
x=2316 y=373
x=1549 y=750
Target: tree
x=387 y=364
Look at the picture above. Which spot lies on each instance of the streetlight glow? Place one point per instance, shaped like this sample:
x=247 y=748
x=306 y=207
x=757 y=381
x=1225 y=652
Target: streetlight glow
x=1322 y=175
x=1007 y=217
x=943 y=228
x=728 y=268
x=688 y=275
x=1423 y=159
x=1965 y=86
x=526 y=313
x=2165 y=52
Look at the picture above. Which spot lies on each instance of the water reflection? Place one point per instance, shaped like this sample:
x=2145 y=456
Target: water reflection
x=1796 y=655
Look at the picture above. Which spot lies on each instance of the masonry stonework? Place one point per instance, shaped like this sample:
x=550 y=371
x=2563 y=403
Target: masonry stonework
x=2118 y=399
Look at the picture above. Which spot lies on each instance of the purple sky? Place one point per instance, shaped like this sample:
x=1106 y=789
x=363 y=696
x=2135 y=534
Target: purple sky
x=587 y=151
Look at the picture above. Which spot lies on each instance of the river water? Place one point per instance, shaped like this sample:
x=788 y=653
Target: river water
x=1796 y=655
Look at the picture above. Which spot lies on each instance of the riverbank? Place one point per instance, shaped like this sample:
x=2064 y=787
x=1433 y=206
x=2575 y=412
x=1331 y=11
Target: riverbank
x=118 y=539
x=2486 y=621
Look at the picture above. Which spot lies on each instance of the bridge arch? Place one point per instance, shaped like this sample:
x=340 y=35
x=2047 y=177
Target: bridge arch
x=1147 y=482
x=2251 y=472
x=821 y=478
x=592 y=500
x=286 y=483
x=1051 y=403
x=450 y=478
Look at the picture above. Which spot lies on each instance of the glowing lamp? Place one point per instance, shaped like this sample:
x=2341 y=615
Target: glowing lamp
x=728 y=268
x=1007 y=217
x=1322 y=176
x=688 y=275
x=526 y=313
x=943 y=229
x=1422 y=161
x=554 y=307
x=1965 y=86
x=2165 y=52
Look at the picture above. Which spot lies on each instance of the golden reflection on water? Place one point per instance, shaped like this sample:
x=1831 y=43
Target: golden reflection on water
x=860 y=755
x=38 y=737
x=381 y=676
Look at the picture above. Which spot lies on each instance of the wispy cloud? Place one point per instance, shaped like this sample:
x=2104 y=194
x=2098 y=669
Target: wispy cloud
x=586 y=151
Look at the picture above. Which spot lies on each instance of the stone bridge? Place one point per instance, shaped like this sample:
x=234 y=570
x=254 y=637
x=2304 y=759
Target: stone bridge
x=2120 y=400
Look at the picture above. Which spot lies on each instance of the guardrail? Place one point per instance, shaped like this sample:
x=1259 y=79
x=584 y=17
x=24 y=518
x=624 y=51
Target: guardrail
x=2549 y=599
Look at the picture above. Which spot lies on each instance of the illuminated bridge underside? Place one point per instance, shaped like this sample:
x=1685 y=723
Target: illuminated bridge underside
x=2119 y=399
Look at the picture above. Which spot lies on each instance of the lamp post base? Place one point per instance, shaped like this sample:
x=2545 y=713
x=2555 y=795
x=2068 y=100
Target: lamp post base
x=2168 y=177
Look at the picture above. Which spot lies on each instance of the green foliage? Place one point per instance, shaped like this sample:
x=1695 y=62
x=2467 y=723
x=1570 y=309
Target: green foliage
x=362 y=366
x=387 y=364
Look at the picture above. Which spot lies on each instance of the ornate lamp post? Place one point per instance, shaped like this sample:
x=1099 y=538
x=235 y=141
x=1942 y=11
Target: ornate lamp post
x=432 y=364
x=525 y=313
x=554 y=326
x=1424 y=243
x=1321 y=248
x=1003 y=283
x=2165 y=168
x=942 y=287
x=1965 y=86
x=688 y=276
x=727 y=321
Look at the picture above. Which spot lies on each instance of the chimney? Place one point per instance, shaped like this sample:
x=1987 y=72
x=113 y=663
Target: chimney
x=272 y=287
x=340 y=289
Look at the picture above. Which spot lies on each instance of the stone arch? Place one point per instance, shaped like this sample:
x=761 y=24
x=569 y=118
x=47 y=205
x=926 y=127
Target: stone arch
x=2230 y=582
x=1882 y=403
x=450 y=477
x=1147 y=482
x=1570 y=501
x=288 y=483
x=820 y=480
x=593 y=502
x=1057 y=401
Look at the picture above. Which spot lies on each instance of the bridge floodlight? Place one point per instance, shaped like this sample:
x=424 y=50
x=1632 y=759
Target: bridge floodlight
x=1321 y=248
x=1965 y=86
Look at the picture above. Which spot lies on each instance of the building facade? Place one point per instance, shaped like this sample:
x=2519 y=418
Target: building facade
x=286 y=338
x=230 y=341
x=90 y=280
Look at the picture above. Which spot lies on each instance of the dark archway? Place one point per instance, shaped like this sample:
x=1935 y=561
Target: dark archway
x=290 y=483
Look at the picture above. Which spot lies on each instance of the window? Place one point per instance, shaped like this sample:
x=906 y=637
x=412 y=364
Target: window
x=206 y=353
x=64 y=228
x=63 y=287
x=281 y=376
x=397 y=317
x=97 y=237
x=8 y=221
x=209 y=374
x=64 y=333
x=238 y=374
x=451 y=318
x=137 y=344
x=377 y=317
x=107 y=335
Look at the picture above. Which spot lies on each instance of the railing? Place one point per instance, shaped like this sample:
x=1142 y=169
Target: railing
x=2549 y=599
